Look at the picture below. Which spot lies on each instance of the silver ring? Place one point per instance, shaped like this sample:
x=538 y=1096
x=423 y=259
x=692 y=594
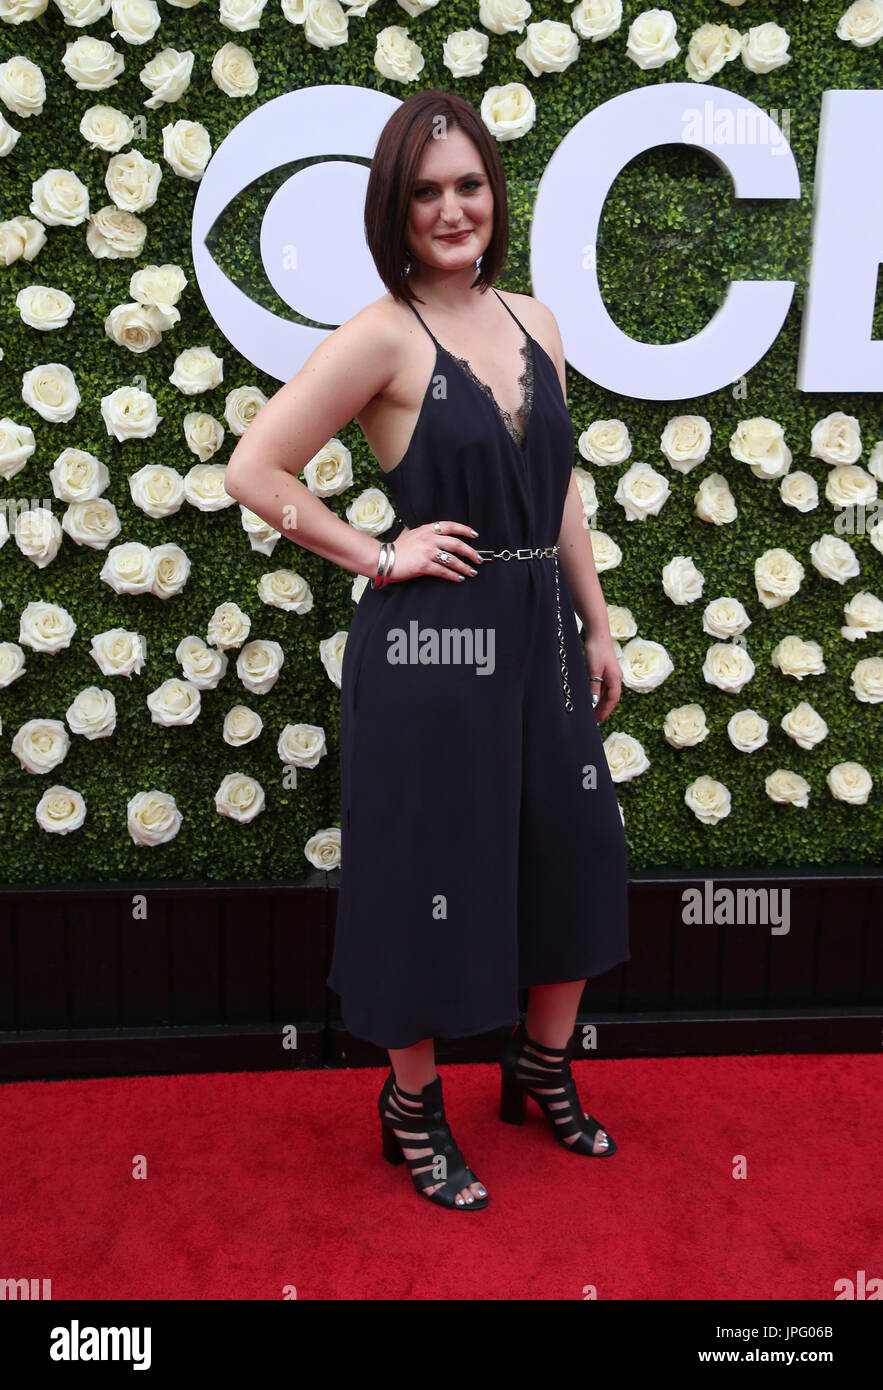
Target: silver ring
x=437 y=528
x=442 y=556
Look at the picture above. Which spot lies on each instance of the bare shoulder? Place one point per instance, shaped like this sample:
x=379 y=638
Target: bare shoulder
x=539 y=320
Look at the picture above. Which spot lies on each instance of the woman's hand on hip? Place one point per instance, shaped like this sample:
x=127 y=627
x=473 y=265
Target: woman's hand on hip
x=416 y=552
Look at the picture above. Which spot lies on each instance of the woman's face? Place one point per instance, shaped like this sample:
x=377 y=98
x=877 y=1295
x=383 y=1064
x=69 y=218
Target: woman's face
x=452 y=194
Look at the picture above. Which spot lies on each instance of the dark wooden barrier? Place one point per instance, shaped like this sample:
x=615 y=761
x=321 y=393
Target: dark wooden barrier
x=231 y=977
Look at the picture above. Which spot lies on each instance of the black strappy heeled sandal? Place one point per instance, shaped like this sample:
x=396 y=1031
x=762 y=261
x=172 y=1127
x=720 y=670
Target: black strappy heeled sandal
x=548 y=1069
x=430 y=1130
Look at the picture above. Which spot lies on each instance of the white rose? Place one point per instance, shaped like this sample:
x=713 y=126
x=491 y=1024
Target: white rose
x=60 y=810
x=12 y=663
x=114 y=234
x=187 y=148
x=171 y=569
x=301 y=745
x=228 y=626
x=760 y=442
x=45 y=627
x=92 y=713
x=128 y=568
x=129 y=413
x=875 y=462
x=9 y=136
x=240 y=797
x=797 y=658
x=836 y=439
x=322 y=850
x=862 y=23
x=241 y=15
x=22 y=86
x=204 y=487
x=286 y=589
x=396 y=56
x=358 y=587
x=43 y=307
x=330 y=471
x=711 y=47
x=79 y=13
x=621 y=622
x=203 y=434
x=728 y=666
x=93 y=522
x=202 y=665
x=17 y=443
x=158 y=287
x=606 y=553
x=152 y=818
x=641 y=492
x=588 y=495
x=850 y=782
x=262 y=536
x=41 y=744
x=258 y=665
x=51 y=390
x=157 y=489
x=714 y=502
x=92 y=64
x=805 y=725
x=371 y=512
x=241 y=725
x=850 y=486
x=626 y=757
x=875 y=535
x=725 y=617
x=233 y=70
x=503 y=16
x=331 y=650
x=681 y=580
x=167 y=76
x=747 y=730
x=508 y=111
x=550 y=46
x=605 y=442
x=135 y=327
x=197 y=369
x=834 y=558
x=765 y=47
x=685 y=441
x=464 y=52
x=709 y=800
x=325 y=23
x=787 y=788
x=132 y=181
x=136 y=21
x=241 y=406
x=652 y=39
x=21 y=237
x=38 y=535
x=777 y=577
x=60 y=199
x=596 y=19
x=174 y=702
x=867 y=680
x=864 y=613
x=800 y=491
x=645 y=665
x=105 y=128
x=118 y=652
x=685 y=726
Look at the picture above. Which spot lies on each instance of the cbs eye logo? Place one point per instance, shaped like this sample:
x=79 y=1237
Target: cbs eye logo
x=312 y=236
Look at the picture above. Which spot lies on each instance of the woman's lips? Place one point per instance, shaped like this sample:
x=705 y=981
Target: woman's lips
x=458 y=236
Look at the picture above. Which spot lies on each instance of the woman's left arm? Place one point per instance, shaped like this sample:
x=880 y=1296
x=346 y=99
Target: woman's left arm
x=578 y=562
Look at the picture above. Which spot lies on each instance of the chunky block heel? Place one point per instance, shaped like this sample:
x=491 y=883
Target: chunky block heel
x=543 y=1073
x=392 y=1150
x=511 y=1094
x=444 y=1168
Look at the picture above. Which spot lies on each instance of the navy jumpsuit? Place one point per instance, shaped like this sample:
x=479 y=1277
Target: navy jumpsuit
x=482 y=848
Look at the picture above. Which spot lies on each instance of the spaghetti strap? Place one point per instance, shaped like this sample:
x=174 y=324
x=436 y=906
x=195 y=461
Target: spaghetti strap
x=425 y=325
x=509 y=311
x=502 y=301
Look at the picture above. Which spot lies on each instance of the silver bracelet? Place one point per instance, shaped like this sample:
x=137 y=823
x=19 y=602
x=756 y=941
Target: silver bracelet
x=385 y=562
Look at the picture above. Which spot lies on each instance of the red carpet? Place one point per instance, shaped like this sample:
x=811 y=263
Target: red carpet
x=258 y=1181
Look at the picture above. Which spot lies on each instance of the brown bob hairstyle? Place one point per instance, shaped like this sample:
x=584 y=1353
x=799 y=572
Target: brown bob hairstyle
x=394 y=176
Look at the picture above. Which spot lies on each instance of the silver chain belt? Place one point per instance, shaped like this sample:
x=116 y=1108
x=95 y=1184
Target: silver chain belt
x=537 y=553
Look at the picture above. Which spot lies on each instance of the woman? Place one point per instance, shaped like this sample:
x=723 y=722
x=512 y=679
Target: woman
x=482 y=848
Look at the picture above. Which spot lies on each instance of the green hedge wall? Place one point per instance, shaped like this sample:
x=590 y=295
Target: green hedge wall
x=671 y=239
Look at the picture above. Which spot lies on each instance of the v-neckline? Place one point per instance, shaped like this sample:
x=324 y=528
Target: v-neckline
x=466 y=370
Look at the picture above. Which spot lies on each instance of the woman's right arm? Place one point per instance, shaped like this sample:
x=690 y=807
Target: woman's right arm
x=348 y=368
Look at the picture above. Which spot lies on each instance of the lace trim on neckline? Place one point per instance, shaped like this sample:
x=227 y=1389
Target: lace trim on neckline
x=525 y=381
